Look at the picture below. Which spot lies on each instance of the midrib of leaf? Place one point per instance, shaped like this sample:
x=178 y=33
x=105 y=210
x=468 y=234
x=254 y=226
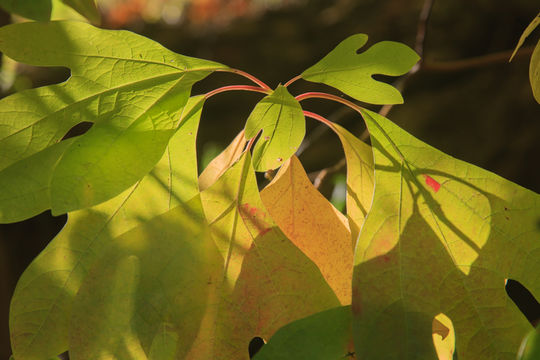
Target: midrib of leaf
x=93 y=96
x=144 y=61
x=358 y=67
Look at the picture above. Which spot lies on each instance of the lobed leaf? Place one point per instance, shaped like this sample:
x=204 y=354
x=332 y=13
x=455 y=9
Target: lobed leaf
x=42 y=303
x=313 y=224
x=351 y=72
x=130 y=87
x=441 y=238
x=280 y=117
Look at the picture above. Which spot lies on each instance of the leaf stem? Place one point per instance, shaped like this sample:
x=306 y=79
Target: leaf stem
x=297 y=77
x=248 y=76
x=321 y=95
x=319 y=118
x=234 y=88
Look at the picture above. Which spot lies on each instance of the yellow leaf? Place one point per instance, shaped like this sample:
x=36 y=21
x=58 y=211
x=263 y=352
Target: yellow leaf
x=222 y=162
x=313 y=224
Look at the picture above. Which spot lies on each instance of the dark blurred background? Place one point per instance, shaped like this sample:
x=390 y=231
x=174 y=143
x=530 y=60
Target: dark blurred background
x=480 y=111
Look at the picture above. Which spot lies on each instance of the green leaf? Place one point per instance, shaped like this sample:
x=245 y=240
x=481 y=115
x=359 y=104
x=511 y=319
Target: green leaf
x=130 y=87
x=86 y=8
x=530 y=348
x=177 y=260
x=280 y=117
x=528 y=30
x=322 y=336
x=351 y=72
x=25 y=184
x=265 y=281
x=359 y=178
x=31 y=9
x=103 y=317
x=441 y=237
x=41 y=306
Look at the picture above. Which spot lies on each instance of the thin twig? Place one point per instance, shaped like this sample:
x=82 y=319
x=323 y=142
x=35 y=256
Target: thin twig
x=474 y=62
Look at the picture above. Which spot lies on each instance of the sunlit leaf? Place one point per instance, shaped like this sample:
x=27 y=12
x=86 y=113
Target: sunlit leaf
x=359 y=179
x=280 y=117
x=350 y=71
x=86 y=8
x=322 y=336
x=312 y=224
x=222 y=162
x=25 y=184
x=441 y=237
x=266 y=281
x=41 y=306
x=130 y=87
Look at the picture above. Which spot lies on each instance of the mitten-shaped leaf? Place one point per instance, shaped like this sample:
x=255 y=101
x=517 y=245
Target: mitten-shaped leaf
x=283 y=126
x=351 y=72
x=130 y=87
x=42 y=304
x=322 y=336
x=441 y=237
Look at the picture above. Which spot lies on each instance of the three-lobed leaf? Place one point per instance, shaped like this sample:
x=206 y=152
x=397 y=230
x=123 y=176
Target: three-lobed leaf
x=42 y=304
x=441 y=238
x=130 y=87
x=280 y=117
x=352 y=72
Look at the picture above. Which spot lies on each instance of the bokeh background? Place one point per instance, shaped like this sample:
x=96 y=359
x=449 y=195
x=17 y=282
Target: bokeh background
x=480 y=110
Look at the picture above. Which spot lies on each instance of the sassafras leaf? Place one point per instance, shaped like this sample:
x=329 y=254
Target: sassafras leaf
x=42 y=303
x=283 y=126
x=441 y=237
x=265 y=281
x=313 y=224
x=351 y=72
x=130 y=87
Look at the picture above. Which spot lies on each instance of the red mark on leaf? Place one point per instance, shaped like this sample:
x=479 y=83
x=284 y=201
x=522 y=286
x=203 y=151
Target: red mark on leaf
x=254 y=216
x=432 y=183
